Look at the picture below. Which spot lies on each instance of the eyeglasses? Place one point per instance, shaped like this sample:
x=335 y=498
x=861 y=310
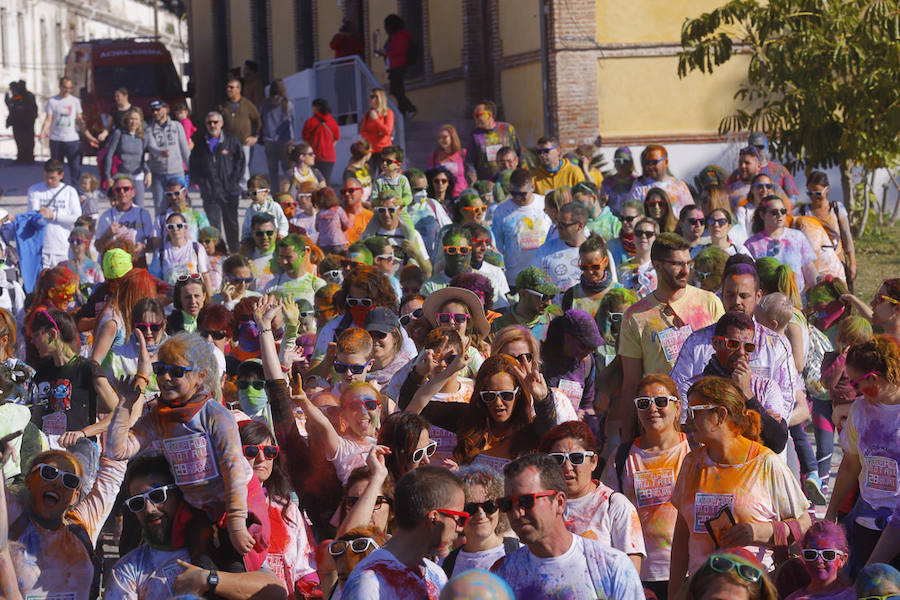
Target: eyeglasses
x=366 y=302
x=547 y=150
x=652 y=161
x=209 y=241
x=720 y=222
x=777 y=211
x=645 y=233
x=157 y=496
x=421 y=453
x=174 y=371
x=815 y=194
x=543 y=297
x=454 y=250
x=827 y=554
x=692 y=409
x=643 y=402
x=358 y=546
x=188 y=277
x=763 y=186
x=264 y=233
x=733 y=344
x=616 y=317
x=476 y=210
x=350 y=190
x=174 y=193
x=488 y=396
x=416 y=314
x=722 y=564
x=51 y=473
x=251 y=451
x=239 y=280
x=260 y=191
x=446 y=318
x=350 y=501
x=122 y=189
x=79 y=241
x=340 y=367
x=386 y=210
x=257 y=384
x=523 y=501
x=176 y=226
x=854 y=383
x=151 y=327
x=212 y=333
x=525 y=357
x=461 y=518
x=488 y=506
x=593 y=267
x=574 y=458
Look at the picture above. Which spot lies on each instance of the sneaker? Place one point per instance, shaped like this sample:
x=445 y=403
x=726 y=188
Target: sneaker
x=812 y=485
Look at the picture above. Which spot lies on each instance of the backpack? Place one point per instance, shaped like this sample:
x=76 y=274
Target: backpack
x=413 y=52
x=510 y=545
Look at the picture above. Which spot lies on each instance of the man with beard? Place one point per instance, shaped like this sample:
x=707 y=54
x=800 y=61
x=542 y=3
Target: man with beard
x=554 y=563
x=156 y=569
x=457 y=258
x=655 y=327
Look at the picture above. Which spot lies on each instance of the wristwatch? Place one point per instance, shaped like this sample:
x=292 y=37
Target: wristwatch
x=212 y=580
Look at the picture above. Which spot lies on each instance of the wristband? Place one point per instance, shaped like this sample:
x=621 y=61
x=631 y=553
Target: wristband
x=144 y=377
x=262 y=331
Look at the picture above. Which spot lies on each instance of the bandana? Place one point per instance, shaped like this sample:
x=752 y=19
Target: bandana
x=182 y=412
x=628 y=243
x=595 y=288
x=359 y=315
x=253 y=401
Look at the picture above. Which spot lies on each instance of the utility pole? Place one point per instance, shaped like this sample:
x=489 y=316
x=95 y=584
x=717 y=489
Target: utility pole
x=156 y=18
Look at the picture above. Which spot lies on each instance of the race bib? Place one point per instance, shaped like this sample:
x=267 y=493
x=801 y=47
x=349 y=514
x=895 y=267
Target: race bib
x=881 y=473
x=653 y=487
x=672 y=339
x=170 y=572
x=192 y=458
x=54 y=423
x=530 y=234
x=492 y=150
x=495 y=462
x=446 y=442
x=572 y=390
x=707 y=505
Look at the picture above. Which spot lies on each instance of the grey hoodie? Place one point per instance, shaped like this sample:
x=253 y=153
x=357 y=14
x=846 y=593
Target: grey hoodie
x=169 y=136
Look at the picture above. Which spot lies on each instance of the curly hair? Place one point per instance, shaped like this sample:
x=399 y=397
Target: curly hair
x=725 y=393
x=492 y=482
x=215 y=317
x=378 y=287
x=197 y=352
x=881 y=355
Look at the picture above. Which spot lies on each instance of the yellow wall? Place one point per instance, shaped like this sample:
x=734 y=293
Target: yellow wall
x=378 y=10
x=283 y=56
x=328 y=21
x=520 y=26
x=440 y=102
x=445 y=26
x=523 y=101
x=241 y=34
x=645 y=96
x=641 y=21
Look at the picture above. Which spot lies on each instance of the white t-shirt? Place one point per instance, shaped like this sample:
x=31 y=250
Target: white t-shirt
x=560 y=261
x=380 y=576
x=63 y=112
x=66 y=209
x=498 y=280
x=145 y=573
x=588 y=569
x=350 y=455
x=608 y=517
x=136 y=219
x=189 y=259
x=483 y=559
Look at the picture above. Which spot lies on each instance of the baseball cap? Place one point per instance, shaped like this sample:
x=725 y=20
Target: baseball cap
x=582 y=326
x=758 y=138
x=623 y=152
x=176 y=180
x=158 y=103
x=535 y=278
x=116 y=262
x=381 y=319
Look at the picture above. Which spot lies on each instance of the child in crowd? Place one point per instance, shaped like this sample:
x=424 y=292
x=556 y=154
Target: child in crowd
x=332 y=222
x=216 y=252
x=852 y=331
x=825 y=551
x=305 y=211
x=261 y=201
x=88 y=193
x=391 y=180
x=442 y=345
x=183 y=116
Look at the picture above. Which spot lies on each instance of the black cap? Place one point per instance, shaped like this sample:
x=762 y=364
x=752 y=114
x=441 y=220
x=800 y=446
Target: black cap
x=381 y=319
x=156 y=104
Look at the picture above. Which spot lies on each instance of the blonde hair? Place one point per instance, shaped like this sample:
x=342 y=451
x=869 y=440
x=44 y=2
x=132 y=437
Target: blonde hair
x=725 y=393
x=355 y=340
x=139 y=132
x=777 y=307
x=381 y=103
x=92 y=182
x=195 y=350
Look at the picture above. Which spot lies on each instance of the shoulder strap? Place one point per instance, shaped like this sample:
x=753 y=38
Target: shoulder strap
x=450 y=561
x=510 y=545
x=621 y=457
x=78 y=530
x=58 y=192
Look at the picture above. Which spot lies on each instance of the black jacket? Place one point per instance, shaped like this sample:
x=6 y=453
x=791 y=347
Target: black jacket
x=218 y=174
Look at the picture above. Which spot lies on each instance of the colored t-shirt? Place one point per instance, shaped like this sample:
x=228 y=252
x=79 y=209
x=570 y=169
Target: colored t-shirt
x=678 y=191
x=64 y=397
x=560 y=261
x=171 y=262
x=848 y=593
x=380 y=576
x=398 y=186
x=63 y=114
x=588 y=569
x=136 y=219
x=607 y=225
x=608 y=517
x=760 y=489
x=519 y=232
x=648 y=479
x=332 y=224
x=654 y=333
x=358 y=224
x=196 y=220
x=481 y=156
x=618 y=191
x=792 y=248
x=145 y=573
x=566 y=175
x=261 y=268
x=641 y=279
x=304 y=287
x=350 y=455
x=292 y=550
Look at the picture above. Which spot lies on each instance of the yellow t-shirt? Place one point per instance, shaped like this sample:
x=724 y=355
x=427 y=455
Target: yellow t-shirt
x=567 y=174
x=655 y=334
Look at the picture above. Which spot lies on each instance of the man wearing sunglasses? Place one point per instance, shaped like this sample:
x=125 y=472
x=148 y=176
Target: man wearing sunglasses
x=534 y=309
x=177 y=200
x=776 y=171
x=617 y=188
x=457 y=258
x=125 y=219
x=558 y=256
x=168 y=151
x=428 y=509
x=520 y=225
x=392 y=222
x=59 y=204
x=554 y=172
x=154 y=569
x=535 y=502
x=482 y=243
x=217 y=166
x=655 y=161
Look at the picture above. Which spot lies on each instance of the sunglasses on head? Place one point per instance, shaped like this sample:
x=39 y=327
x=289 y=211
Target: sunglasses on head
x=365 y=302
x=827 y=554
x=421 y=453
x=340 y=367
x=175 y=226
x=488 y=396
x=151 y=327
x=350 y=501
x=722 y=564
x=446 y=318
x=416 y=314
x=523 y=501
x=258 y=384
x=188 y=276
x=157 y=496
x=264 y=233
x=358 y=546
x=488 y=506
x=251 y=451
x=369 y=404
x=51 y=473
x=733 y=344
x=461 y=518
x=174 y=371
x=575 y=458
x=643 y=402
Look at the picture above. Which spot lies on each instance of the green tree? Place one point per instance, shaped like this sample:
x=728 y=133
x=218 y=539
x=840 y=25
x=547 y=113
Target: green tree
x=821 y=79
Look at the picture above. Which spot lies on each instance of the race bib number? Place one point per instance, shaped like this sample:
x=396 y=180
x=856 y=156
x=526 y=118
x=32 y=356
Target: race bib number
x=881 y=473
x=446 y=442
x=672 y=339
x=170 y=572
x=572 y=390
x=653 y=487
x=495 y=462
x=54 y=423
x=192 y=458
x=707 y=505
x=492 y=150
x=280 y=568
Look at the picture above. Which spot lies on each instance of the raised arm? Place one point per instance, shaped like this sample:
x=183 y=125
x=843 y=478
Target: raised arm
x=360 y=514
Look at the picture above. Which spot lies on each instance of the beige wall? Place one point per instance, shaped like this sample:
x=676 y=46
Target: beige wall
x=439 y=102
x=643 y=95
x=281 y=22
x=328 y=21
x=520 y=26
x=241 y=38
x=523 y=101
x=445 y=25
x=642 y=21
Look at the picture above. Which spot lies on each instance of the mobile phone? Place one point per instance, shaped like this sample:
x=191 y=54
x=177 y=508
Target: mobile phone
x=719 y=524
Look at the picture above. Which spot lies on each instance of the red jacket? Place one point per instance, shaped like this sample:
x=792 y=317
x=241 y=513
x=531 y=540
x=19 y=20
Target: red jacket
x=378 y=132
x=396 y=49
x=347 y=44
x=321 y=132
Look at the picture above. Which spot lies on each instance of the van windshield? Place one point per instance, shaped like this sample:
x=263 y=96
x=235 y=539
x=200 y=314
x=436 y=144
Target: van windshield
x=148 y=80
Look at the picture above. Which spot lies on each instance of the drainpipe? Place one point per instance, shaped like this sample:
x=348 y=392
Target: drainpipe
x=543 y=13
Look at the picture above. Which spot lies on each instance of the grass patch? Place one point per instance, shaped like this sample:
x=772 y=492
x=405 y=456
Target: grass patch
x=877 y=259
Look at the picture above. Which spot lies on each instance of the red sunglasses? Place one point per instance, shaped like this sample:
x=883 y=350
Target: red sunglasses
x=460 y=517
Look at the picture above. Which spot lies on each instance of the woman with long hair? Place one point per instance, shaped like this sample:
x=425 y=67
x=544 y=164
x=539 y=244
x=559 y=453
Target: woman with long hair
x=771 y=237
x=451 y=155
x=148 y=334
x=442 y=186
x=407 y=437
x=761 y=186
x=378 y=123
x=277 y=116
x=657 y=206
x=117 y=320
x=731 y=477
x=126 y=151
x=190 y=296
x=719 y=225
x=302 y=161
x=827 y=225
x=637 y=273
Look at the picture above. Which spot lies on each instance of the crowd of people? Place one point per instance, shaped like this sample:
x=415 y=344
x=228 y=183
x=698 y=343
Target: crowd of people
x=478 y=378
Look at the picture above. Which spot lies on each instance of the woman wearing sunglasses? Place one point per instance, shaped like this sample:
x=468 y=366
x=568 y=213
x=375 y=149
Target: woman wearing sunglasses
x=485 y=542
x=292 y=547
x=824 y=552
x=469 y=208
x=592 y=508
x=884 y=310
x=441 y=186
x=80 y=262
x=450 y=154
x=178 y=255
x=719 y=226
x=731 y=573
x=730 y=469
x=871 y=443
x=771 y=237
x=237 y=281
x=142 y=345
x=461 y=309
x=761 y=186
x=498 y=421
x=116 y=321
x=597 y=277
x=658 y=207
x=57 y=523
x=347 y=551
x=645 y=471
x=637 y=273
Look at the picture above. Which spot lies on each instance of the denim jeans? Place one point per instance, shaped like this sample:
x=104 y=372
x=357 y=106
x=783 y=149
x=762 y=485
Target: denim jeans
x=69 y=152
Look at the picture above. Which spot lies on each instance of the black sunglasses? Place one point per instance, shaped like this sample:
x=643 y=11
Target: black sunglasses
x=416 y=314
x=344 y=367
x=488 y=506
x=257 y=384
x=211 y=333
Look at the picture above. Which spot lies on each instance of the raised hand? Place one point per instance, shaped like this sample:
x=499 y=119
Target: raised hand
x=534 y=380
x=291 y=310
x=265 y=310
x=376 y=460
